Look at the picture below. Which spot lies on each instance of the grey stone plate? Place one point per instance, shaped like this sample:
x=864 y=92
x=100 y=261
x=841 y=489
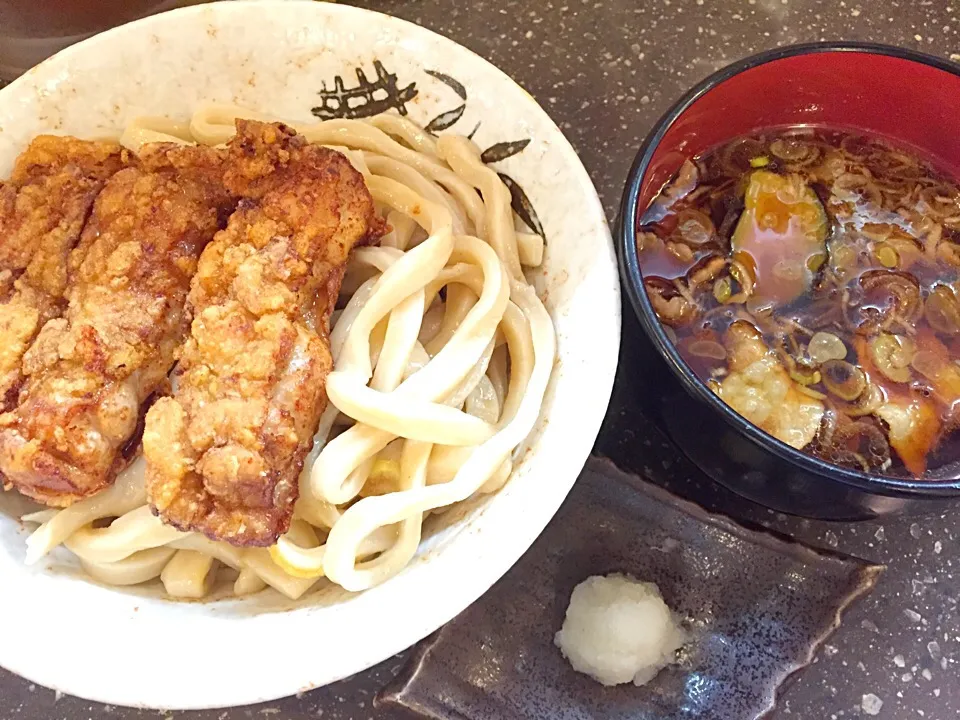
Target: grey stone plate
x=758 y=607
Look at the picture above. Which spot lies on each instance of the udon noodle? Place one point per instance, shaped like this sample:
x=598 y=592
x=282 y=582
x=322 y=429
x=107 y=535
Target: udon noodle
x=442 y=352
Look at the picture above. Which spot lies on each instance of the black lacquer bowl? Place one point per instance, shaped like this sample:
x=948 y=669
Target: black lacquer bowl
x=908 y=96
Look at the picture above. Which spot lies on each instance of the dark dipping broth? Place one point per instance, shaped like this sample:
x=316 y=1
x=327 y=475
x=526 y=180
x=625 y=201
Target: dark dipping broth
x=810 y=278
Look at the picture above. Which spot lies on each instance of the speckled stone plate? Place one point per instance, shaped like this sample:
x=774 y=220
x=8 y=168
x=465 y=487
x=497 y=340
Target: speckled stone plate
x=758 y=607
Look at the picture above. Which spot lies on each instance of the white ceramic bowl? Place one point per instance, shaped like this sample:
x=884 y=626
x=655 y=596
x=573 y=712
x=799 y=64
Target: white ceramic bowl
x=132 y=646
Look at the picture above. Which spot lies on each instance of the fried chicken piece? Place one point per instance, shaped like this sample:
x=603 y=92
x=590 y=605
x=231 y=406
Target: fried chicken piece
x=760 y=389
x=224 y=453
x=913 y=429
x=90 y=372
x=42 y=211
x=47 y=154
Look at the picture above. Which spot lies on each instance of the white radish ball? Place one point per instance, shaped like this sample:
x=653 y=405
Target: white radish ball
x=618 y=629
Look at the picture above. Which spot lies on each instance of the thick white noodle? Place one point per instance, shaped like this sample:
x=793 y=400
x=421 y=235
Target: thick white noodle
x=406 y=175
x=188 y=574
x=530 y=249
x=464 y=157
x=248 y=583
x=138 y=568
x=126 y=494
x=408 y=131
x=434 y=382
x=442 y=354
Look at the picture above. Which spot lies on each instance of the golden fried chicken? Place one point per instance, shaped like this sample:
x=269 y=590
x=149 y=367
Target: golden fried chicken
x=42 y=211
x=224 y=452
x=760 y=388
x=90 y=372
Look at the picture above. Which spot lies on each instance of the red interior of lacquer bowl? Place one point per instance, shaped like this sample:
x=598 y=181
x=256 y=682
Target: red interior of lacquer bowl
x=907 y=101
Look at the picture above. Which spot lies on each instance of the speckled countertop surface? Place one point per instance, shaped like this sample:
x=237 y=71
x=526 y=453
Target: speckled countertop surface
x=605 y=70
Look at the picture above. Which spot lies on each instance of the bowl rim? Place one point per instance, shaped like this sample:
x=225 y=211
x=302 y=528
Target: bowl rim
x=471 y=548
x=632 y=278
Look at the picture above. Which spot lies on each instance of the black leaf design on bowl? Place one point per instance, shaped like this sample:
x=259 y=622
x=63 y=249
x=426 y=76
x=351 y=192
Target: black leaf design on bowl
x=366 y=99
x=369 y=98
x=522 y=206
x=446 y=119
x=457 y=86
x=503 y=150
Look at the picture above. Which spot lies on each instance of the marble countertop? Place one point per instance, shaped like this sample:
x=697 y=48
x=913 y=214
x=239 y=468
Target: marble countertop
x=605 y=70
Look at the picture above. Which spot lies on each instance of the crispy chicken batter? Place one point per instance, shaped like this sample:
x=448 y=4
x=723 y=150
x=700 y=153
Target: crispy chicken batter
x=759 y=388
x=42 y=211
x=90 y=372
x=224 y=453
